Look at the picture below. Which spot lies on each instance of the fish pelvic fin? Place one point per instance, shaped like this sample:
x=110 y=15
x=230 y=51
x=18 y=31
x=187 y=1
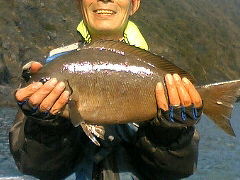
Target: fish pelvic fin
x=88 y=131
x=77 y=120
x=219 y=99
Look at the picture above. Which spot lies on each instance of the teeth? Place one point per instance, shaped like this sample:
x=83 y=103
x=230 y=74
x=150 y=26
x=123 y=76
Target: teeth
x=104 y=12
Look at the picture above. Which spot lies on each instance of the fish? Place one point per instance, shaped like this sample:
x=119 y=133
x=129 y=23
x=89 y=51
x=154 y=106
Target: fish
x=114 y=83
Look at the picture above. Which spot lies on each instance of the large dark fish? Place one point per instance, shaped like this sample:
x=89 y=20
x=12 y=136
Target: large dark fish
x=112 y=82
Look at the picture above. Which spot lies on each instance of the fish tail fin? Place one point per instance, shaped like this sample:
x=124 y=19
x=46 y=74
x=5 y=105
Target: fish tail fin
x=218 y=101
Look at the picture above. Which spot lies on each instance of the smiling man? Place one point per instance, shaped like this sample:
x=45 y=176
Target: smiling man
x=48 y=146
x=109 y=19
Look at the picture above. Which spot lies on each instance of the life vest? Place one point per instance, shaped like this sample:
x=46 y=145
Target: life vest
x=132 y=35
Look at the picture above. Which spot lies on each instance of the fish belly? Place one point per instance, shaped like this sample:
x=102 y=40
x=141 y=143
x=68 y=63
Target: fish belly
x=115 y=97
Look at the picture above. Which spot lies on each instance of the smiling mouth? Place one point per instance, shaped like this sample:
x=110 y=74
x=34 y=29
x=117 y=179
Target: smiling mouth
x=104 y=12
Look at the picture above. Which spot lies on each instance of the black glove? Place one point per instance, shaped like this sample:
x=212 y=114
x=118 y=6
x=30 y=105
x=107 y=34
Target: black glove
x=174 y=128
x=30 y=110
x=178 y=116
x=34 y=112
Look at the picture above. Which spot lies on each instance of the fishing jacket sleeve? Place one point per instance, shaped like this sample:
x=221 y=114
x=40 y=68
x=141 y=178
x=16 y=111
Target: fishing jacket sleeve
x=177 y=159
x=45 y=149
x=169 y=147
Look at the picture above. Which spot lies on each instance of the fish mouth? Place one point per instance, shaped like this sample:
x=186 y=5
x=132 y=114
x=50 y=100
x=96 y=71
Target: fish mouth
x=104 y=12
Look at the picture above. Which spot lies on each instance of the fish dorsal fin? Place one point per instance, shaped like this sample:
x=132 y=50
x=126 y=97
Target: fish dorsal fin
x=143 y=55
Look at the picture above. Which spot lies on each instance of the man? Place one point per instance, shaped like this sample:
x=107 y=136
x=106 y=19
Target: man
x=49 y=147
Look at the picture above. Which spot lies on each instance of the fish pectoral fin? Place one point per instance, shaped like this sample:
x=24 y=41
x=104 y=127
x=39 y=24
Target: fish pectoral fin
x=88 y=129
x=68 y=87
x=74 y=115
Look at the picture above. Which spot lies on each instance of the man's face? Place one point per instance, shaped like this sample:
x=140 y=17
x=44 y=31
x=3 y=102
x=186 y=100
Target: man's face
x=109 y=16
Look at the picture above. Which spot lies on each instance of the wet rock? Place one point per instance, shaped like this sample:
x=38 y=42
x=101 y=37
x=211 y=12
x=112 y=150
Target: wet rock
x=4 y=73
x=6 y=96
x=201 y=36
x=29 y=30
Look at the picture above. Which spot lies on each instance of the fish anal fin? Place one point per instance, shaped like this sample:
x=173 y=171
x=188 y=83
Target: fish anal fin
x=219 y=99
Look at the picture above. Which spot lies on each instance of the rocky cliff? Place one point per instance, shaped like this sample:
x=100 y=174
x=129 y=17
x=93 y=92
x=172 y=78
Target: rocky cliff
x=201 y=36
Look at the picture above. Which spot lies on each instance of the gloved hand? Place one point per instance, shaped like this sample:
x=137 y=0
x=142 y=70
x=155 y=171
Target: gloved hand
x=178 y=111
x=182 y=107
x=41 y=100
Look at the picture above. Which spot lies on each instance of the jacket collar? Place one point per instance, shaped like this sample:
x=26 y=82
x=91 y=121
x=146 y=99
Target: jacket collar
x=132 y=35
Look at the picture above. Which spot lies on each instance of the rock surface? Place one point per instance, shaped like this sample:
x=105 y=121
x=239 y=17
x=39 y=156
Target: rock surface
x=28 y=31
x=201 y=36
